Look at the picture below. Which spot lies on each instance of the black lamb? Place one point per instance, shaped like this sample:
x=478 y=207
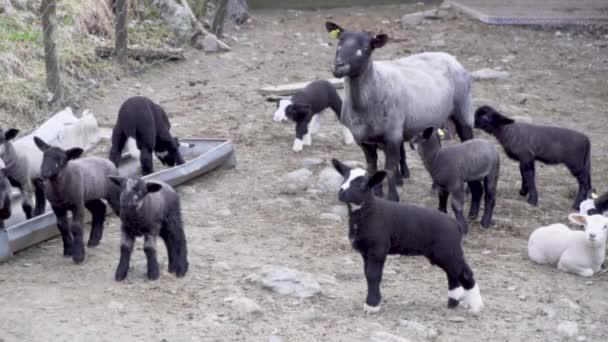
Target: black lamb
x=5 y=197
x=379 y=227
x=146 y=122
x=525 y=142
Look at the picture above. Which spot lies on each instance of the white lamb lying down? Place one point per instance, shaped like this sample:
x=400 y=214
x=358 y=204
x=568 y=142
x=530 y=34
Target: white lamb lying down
x=574 y=251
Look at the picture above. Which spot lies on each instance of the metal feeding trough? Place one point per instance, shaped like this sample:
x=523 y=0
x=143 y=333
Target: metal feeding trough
x=202 y=156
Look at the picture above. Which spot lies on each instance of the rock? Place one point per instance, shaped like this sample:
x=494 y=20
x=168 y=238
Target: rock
x=224 y=212
x=558 y=33
x=456 y=319
x=412 y=19
x=419 y=330
x=489 y=74
x=331 y=217
x=274 y=338
x=330 y=180
x=568 y=328
x=522 y=297
x=438 y=43
x=507 y=58
x=522 y=118
x=289 y=282
x=547 y=311
x=296 y=181
x=210 y=43
x=341 y=210
x=355 y=163
x=309 y=315
x=581 y=338
x=177 y=18
x=383 y=336
x=312 y=161
x=244 y=305
x=6 y=6
x=486 y=252
x=220 y=266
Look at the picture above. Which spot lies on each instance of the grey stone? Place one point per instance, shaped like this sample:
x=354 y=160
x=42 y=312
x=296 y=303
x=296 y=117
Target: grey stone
x=456 y=319
x=331 y=217
x=289 y=282
x=438 y=43
x=177 y=18
x=568 y=328
x=355 y=164
x=244 y=305
x=312 y=161
x=341 y=210
x=522 y=118
x=414 y=328
x=383 y=336
x=412 y=19
x=296 y=181
x=489 y=74
x=330 y=180
x=210 y=43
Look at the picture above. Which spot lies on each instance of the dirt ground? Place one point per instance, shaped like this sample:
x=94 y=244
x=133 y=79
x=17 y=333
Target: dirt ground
x=237 y=220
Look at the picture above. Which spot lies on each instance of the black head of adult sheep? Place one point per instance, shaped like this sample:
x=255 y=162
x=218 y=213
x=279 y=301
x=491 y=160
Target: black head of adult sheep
x=526 y=143
x=5 y=196
x=141 y=119
x=389 y=102
x=75 y=184
x=378 y=227
x=22 y=162
x=150 y=209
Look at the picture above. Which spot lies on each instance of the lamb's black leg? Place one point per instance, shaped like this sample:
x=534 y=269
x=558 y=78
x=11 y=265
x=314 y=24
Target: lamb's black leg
x=176 y=242
x=524 y=186
x=371 y=157
x=26 y=198
x=145 y=158
x=150 y=250
x=583 y=177
x=528 y=168
x=476 y=194
x=64 y=228
x=118 y=144
x=443 y=200
x=77 y=224
x=405 y=171
x=40 y=198
x=164 y=234
x=458 y=207
x=126 y=248
x=464 y=131
x=392 y=166
x=373 y=265
x=98 y=213
x=490 y=184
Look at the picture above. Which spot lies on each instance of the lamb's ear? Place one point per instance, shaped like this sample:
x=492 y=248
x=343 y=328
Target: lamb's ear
x=377 y=178
x=119 y=181
x=74 y=153
x=334 y=30
x=500 y=120
x=578 y=219
x=153 y=187
x=10 y=134
x=340 y=167
x=379 y=41
x=428 y=132
x=42 y=146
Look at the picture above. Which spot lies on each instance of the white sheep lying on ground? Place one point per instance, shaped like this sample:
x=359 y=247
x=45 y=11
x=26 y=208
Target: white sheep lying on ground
x=573 y=251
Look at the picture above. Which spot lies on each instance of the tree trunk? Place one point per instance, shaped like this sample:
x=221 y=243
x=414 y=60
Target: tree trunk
x=49 y=23
x=121 y=32
x=218 y=19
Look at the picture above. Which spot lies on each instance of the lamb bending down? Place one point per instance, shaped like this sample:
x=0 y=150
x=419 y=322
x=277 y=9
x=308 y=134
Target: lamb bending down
x=146 y=122
x=525 y=142
x=573 y=251
x=387 y=103
x=378 y=227
x=5 y=196
x=595 y=205
x=304 y=108
x=450 y=167
x=75 y=184
x=150 y=209
x=22 y=168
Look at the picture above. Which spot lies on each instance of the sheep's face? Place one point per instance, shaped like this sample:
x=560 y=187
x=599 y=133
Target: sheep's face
x=168 y=157
x=596 y=227
x=354 y=50
x=55 y=159
x=134 y=191
x=488 y=119
x=357 y=185
x=280 y=114
x=6 y=136
x=428 y=138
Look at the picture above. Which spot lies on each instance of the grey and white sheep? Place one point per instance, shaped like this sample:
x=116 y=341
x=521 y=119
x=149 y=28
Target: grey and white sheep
x=73 y=184
x=388 y=102
x=526 y=143
x=475 y=162
x=150 y=209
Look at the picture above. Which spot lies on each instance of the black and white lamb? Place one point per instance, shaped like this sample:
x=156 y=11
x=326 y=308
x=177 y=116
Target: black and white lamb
x=22 y=168
x=389 y=102
x=150 y=209
x=474 y=161
x=73 y=184
x=303 y=109
x=145 y=121
x=5 y=196
x=595 y=204
x=526 y=143
x=378 y=227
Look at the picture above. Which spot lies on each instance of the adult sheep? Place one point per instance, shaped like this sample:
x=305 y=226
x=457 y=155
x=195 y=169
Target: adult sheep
x=388 y=102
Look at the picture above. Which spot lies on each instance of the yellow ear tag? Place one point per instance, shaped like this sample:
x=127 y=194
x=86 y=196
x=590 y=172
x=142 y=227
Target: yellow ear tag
x=594 y=195
x=441 y=132
x=334 y=33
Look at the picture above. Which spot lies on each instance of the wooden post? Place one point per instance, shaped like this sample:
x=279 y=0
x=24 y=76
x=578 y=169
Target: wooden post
x=121 y=32
x=49 y=23
x=218 y=19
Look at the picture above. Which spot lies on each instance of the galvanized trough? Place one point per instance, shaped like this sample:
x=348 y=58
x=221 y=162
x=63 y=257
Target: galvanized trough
x=202 y=156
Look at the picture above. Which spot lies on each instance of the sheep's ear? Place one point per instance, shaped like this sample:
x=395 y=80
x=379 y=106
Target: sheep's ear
x=500 y=120
x=334 y=30
x=428 y=132
x=377 y=178
x=340 y=167
x=578 y=219
x=74 y=153
x=379 y=41
x=119 y=181
x=42 y=146
x=10 y=134
x=153 y=187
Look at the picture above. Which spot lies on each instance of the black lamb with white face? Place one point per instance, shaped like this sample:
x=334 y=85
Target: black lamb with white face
x=150 y=209
x=527 y=143
x=146 y=122
x=379 y=227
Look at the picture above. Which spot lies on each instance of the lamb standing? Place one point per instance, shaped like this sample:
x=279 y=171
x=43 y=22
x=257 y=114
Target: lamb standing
x=150 y=209
x=573 y=251
x=5 y=196
x=387 y=103
x=526 y=143
x=75 y=184
x=146 y=122
x=378 y=227
x=450 y=167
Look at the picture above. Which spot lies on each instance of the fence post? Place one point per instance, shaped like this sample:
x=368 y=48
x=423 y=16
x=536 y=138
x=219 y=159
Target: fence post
x=121 y=32
x=49 y=23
